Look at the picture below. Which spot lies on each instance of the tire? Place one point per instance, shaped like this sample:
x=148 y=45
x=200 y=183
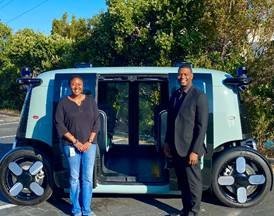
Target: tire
x=241 y=177
x=25 y=177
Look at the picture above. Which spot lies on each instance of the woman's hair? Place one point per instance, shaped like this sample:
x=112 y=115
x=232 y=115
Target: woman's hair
x=74 y=77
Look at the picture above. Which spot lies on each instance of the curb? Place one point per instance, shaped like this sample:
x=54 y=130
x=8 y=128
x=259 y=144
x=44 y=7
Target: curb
x=9 y=114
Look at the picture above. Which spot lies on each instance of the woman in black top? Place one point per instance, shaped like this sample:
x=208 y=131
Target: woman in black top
x=77 y=123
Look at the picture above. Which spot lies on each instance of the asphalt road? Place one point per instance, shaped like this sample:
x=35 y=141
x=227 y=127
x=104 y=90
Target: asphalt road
x=114 y=205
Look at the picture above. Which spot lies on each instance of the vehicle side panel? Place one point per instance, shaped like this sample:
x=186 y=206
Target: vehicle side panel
x=40 y=114
x=227 y=122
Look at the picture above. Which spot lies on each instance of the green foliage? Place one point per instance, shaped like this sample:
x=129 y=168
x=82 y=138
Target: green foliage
x=140 y=32
x=149 y=99
x=8 y=87
x=74 y=29
x=260 y=97
x=28 y=48
x=5 y=35
x=10 y=95
x=36 y=50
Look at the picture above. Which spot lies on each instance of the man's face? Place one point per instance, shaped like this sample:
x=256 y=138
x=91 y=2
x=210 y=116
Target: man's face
x=76 y=86
x=185 y=77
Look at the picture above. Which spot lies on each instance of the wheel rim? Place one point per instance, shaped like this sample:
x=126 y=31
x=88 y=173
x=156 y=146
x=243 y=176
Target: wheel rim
x=25 y=178
x=242 y=179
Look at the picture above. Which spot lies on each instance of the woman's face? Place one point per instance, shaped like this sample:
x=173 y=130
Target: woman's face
x=76 y=86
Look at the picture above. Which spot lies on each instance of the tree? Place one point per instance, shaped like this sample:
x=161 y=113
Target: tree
x=7 y=70
x=74 y=29
x=260 y=97
x=212 y=34
x=36 y=50
x=139 y=32
x=229 y=29
x=5 y=35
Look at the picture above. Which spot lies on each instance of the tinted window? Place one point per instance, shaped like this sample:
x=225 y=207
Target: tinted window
x=113 y=100
x=62 y=87
x=201 y=81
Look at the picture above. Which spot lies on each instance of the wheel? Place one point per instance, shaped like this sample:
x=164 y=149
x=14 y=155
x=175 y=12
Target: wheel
x=25 y=177
x=241 y=177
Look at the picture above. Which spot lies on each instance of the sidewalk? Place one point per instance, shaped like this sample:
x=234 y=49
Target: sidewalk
x=9 y=113
x=4 y=118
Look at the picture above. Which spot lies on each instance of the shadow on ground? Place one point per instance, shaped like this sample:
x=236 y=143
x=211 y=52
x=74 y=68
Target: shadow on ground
x=61 y=204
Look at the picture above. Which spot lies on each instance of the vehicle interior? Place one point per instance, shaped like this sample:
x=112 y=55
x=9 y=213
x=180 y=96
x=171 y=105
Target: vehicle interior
x=130 y=107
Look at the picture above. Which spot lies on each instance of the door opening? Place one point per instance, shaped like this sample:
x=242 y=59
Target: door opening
x=132 y=109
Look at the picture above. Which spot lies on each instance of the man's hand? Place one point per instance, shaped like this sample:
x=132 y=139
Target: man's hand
x=193 y=158
x=167 y=151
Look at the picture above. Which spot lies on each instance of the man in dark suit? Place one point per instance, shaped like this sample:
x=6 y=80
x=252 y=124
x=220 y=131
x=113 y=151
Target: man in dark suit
x=187 y=124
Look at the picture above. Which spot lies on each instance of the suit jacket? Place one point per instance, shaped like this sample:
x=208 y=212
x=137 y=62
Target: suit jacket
x=186 y=133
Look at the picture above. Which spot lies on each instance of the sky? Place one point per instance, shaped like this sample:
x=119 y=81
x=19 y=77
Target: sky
x=39 y=14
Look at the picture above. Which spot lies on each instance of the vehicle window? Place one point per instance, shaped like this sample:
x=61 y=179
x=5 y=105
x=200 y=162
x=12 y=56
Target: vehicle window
x=199 y=81
x=149 y=102
x=201 y=85
x=132 y=110
x=62 y=87
x=113 y=100
x=204 y=83
x=65 y=88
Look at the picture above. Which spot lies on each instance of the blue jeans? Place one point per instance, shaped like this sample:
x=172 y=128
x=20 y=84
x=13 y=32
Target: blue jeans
x=81 y=163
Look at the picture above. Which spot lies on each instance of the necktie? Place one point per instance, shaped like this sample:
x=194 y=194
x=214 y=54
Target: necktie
x=178 y=102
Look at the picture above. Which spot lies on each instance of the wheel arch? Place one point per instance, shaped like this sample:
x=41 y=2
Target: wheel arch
x=15 y=150
x=42 y=147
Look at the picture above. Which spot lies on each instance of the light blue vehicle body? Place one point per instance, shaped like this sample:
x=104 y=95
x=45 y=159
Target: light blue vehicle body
x=225 y=110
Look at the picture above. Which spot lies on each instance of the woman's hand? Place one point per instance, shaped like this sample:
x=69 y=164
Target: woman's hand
x=85 y=146
x=82 y=147
x=78 y=145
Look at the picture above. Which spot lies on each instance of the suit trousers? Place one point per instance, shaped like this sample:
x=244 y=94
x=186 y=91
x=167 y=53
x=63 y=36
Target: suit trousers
x=190 y=183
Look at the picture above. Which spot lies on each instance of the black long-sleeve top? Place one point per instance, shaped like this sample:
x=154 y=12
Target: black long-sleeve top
x=80 y=121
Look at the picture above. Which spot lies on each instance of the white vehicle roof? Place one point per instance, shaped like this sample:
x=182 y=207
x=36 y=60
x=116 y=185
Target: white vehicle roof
x=49 y=75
